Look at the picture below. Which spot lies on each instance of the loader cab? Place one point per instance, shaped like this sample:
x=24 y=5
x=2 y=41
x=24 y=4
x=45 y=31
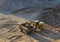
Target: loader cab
x=37 y=22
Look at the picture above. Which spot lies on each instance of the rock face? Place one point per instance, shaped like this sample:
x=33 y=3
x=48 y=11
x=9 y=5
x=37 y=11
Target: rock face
x=52 y=16
x=48 y=15
x=11 y=5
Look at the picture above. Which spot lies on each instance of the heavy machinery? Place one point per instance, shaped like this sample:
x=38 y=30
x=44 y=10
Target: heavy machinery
x=30 y=27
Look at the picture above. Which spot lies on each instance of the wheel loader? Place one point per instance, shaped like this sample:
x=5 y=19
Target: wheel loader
x=31 y=27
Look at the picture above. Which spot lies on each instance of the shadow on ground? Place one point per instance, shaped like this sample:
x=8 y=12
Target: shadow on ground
x=45 y=36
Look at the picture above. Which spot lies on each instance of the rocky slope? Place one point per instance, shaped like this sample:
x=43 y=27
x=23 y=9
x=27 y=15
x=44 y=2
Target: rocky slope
x=33 y=9
x=51 y=16
x=12 y=5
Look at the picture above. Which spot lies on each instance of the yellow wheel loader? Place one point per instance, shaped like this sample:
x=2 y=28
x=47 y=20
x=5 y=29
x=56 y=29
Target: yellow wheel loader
x=31 y=27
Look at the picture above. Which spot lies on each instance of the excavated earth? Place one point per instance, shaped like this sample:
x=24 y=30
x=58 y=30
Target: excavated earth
x=10 y=33
x=13 y=12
